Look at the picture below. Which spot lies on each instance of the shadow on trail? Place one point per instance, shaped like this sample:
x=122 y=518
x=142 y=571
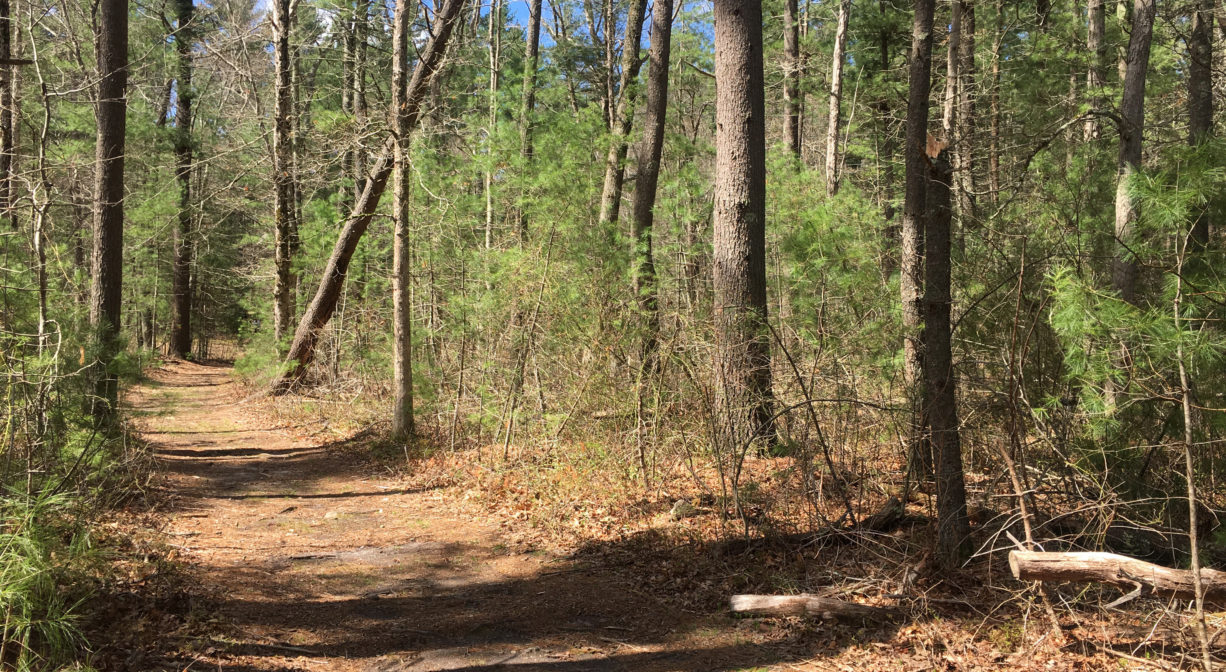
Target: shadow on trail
x=426 y=607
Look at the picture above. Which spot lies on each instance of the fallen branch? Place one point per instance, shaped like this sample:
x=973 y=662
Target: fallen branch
x=1142 y=578
x=807 y=605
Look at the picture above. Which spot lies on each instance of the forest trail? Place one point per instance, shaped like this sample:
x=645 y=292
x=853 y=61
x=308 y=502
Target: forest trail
x=313 y=561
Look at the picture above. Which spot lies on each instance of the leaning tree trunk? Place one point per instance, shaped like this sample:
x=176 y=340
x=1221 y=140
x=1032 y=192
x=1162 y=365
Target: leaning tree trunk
x=1132 y=123
x=649 y=175
x=1200 y=98
x=319 y=312
x=836 y=99
x=284 y=179
x=181 y=335
x=615 y=162
x=940 y=399
x=912 y=276
x=739 y=255
x=106 y=286
x=791 y=76
x=402 y=322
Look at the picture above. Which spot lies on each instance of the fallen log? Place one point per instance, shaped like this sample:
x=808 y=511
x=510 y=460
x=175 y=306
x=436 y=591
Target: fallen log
x=1143 y=578
x=807 y=605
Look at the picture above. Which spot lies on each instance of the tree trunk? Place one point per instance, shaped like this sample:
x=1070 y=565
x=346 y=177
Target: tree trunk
x=940 y=394
x=791 y=75
x=912 y=276
x=994 y=108
x=615 y=162
x=964 y=123
x=807 y=605
x=1200 y=98
x=649 y=155
x=1117 y=570
x=949 y=101
x=106 y=287
x=527 y=105
x=7 y=112
x=181 y=340
x=402 y=323
x=1096 y=50
x=284 y=177
x=494 y=35
x=739 y=253
x=1132 y=123
x=317 y=314
x=836 y=98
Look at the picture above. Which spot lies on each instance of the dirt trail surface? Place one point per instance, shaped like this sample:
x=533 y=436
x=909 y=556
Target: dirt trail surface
x=312 y=560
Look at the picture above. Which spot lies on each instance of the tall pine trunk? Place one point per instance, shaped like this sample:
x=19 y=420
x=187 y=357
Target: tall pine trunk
x=791 y=76
x=106 y=286
x=615 y=162
x=402 y=323
x=7 y=114
x=284 y=177
x=836 y=99
x=1096 y=28
x=1132 y=124
x=739 y=254
x=649 y=155
x=914 y=205
x=323 y=305
x=181 y=334
x=940 y=386
x=1200 y=98
x=527 y=106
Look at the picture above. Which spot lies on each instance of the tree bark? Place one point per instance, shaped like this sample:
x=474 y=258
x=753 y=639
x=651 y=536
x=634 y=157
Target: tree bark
x=1096 y=15
x=106 y=287
x=1117 y=570
x=1200 y=98
x=914 y=205
x=1132 y=123
x=739 y=254
x=836 y=99
x=615 y=162
x=319 y=312
x=940 y=394
x=791 y=75
x=284 y=177
x=649 y=155
x=181 y=334
x=402 y=321
x=949 y=101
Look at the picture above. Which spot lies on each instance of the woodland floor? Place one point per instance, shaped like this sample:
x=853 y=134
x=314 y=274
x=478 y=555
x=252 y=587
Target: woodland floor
x=298 y=553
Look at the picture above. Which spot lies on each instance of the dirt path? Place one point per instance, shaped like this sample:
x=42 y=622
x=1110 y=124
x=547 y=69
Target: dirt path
x=315 y=562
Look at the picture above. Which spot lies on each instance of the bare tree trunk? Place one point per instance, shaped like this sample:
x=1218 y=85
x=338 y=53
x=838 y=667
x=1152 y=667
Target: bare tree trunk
x=106 y=287
x=1132 y=123
x=649 y=155
x=739 y=254
x=284 y=177
x=1095 y=46
x=361 y=28
x=319 y=312
x=791 y=76
x=914 y=207
x=615 y=162
x=836 y=98
x=402 y=323
x=1200 y=98
x=181 y=340
x=940 y=398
